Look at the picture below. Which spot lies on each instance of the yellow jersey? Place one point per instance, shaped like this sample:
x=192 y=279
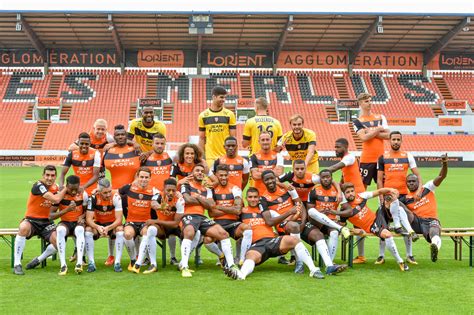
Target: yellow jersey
x=256 y=125
x=143 y=135
x=217 y=126
x=298 y=149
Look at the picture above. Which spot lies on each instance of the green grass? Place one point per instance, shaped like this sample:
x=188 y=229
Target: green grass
x=446 y=286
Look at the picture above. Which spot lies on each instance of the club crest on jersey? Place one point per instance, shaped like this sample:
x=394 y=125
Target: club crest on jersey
x=140 y=196
x=120 y=155
x=299 y=146
x=371 y=123
x=326 y=198
x=231 y=167
x=104 y=208
x=84 y=163
x=158 y=162
x=254 y=215
x=301 y=185
x=280 y=200
x=223 y=196
x=216 y=119
x=266 y=163
x=395 y=160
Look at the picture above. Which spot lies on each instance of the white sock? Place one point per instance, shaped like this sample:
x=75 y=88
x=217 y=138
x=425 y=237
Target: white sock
x=304 y=256
x=111 y=247
x=360 y=246
x=293 y=252
x=332 y=244
x=118 y=247
x=213 y=248
x=394 y=211
x=247 y=267
x=151 y=234
x=408 y=245
x=137 y=244
x=50 y=250
x=19 y=247
x=185 y=252
x=404 y=220
x=79 y=232
x=89 y=236
x=238 y=247
x=172 y=246
x=61 y=244
x=437 y=241
x=227 y=250
x=323 y=219
x=143 y=249
x=324 y=252
x=246 y=243
x=382 y=246
x=196 y=239
x=393 y=249
x=130 y=245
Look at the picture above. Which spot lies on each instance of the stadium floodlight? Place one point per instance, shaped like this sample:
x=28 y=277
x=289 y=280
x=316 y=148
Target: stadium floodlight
x=201 y=25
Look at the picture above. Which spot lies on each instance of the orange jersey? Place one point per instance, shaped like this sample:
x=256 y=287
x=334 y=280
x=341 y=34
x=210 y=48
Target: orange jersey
x=122 y=163
x=279 y=201
x=80 y=200
x=264 y=161
x=253 y=218
x=238 y=166
x=100 y=143
x=193 y=189
x=225 y=197
x=362 y=216
x=427 y=206
x=139 y=202
x=37 y=207
x=104 y=210
x=302 y=185
x=83 y=165
x=373 y=148
x=181 y=170
x=395 y=166
x=169 y=208
x=324 y=199
x=160 y=166
x=351 y=173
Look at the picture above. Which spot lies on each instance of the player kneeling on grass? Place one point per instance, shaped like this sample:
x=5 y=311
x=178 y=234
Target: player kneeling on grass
x=264 y=243
x=104 y=218
x=360 y=215
x=36 y=222
x=141 y=202
x=71 y=211
x=424 y=212
x=197 y=199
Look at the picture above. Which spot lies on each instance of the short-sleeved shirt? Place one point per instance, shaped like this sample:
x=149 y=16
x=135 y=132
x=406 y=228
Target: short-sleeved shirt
x=217 y=126
x=225 y=196
x=138 y=201
x=160 y=166
x=324 y=199
x=264 y=161
x=302 y=185
x=81 y=201
x=373 y=148
x=83 y=165
x=169 y=208
x=395 y=166
x=104 y=210
x=252 y=216
x=278 y=202
x=298 y=149
x=122 y=163
x=38 y=207
x=144 y=135
x=362 y=217
x=256 y=125
x=351 y=173
x=194 y=188
x=426 y=207
x=238 y=166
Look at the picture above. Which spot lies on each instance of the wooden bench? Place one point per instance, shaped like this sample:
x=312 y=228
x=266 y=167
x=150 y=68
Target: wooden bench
x=9 y=235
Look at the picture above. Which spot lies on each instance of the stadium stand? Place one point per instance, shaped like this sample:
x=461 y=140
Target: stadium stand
x=90 y=94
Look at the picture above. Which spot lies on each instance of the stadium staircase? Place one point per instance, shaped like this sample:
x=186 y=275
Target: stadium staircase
x=151 y=86
x=443 y=88
x=245 y=86
x=40 y=134
x=341 y=87
x=437 y=110
x=357 y=141
x=65 y=113
x=133 y=111
x=54 y=85
x=29 y=112
x=331 y=112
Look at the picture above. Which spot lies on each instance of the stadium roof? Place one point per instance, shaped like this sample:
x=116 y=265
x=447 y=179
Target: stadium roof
x=272 y=30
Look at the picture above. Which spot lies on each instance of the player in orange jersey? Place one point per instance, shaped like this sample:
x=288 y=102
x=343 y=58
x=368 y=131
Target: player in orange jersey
x=187 y=157
x=122 y=161
x=372 y=130
x=43 y=194
x=141 y=203
x=392 y=168
x=265 y=159
x=71 y=210
x=349 y=167
x=323 y=197
x=169 y=215
x=226 y=211
x=424 y=212
x=159 y=162
x=104 y=218
x=198 y=198
x=85 y=162
x=264 y=242
x=239 y=167
x=360 y=215
x=99 y=136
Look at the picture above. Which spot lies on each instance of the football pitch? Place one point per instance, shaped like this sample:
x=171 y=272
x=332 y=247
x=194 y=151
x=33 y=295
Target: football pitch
x=446 y=286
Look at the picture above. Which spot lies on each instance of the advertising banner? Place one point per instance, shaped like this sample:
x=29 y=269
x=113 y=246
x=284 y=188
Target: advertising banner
x=312 y=59
x=450 y=122
x=150 y=58
x=237 y=59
